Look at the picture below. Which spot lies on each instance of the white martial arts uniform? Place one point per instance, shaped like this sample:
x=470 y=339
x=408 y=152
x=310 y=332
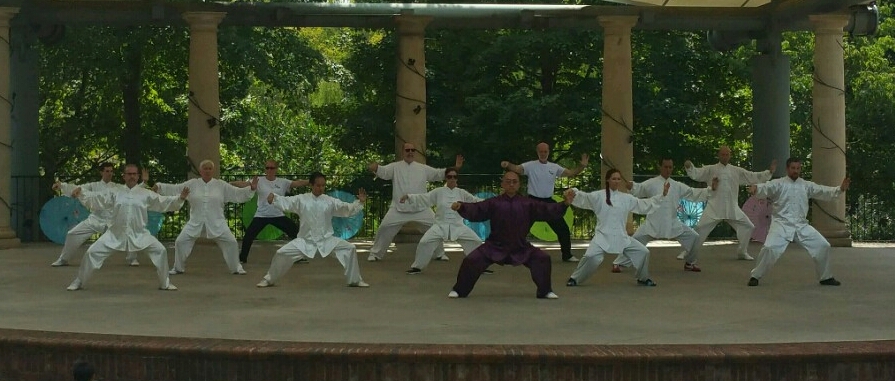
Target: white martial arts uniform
x=723 y=203
x=788 y=223
x=207 y=201
x=448 y=226
x=96 y=222
x=610 y=234
x=315 y=234
x=407 y=178
x=127 y=229
x=664 y=223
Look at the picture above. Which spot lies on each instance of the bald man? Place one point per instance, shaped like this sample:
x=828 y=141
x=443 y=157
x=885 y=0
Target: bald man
x=542 y=175
x=723 y=203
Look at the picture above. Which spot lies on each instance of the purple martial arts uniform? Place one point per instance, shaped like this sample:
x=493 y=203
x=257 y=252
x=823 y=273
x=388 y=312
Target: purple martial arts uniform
x=511 y=219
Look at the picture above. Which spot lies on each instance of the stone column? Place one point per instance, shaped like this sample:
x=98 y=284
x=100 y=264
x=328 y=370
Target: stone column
x=617 y=137
x=828 y=122
x=204 y=132
x=8 y=237
x=770 y=110
x=410 y=99
x=616 y=142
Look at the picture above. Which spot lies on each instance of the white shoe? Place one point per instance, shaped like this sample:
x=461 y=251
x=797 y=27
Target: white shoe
x=74 y=286
x=453 y=294
x=240 y=271
x=170 y=287
x=359 y=284
x=59 y=262
x=373 y=258
x=551 y=295
x=571 y=259
x=263 y=283
x=682 y=255
x=173 y=272
x=135 y=263
x=443 y=257
x=745 y=257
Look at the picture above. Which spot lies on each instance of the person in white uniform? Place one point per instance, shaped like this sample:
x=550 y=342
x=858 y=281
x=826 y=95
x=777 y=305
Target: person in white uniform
x=448 y=226
x=542 y=175
x=790 y=197
x=610 y=235
x=127 y=229
x=266 y=214
x=96 y=222
x=207 y=199
x=316 y=211
x=408 y=177
x=723 y=204
x=664 y=223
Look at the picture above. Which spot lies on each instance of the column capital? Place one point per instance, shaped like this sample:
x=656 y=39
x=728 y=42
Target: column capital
x=204 y=21
x=6 y=14
x=829 y=23
x=617 y=24
x=409 y=24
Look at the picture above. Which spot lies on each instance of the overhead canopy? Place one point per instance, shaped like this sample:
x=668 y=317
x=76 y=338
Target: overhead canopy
x=739 y=15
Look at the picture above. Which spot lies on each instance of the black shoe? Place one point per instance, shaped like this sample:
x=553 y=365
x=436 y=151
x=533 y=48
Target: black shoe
x=753 y=282
x=303 y=261
x=646 y=282
x=413 y=271
x=488 y=271
x=830 y=282
x=571 y=283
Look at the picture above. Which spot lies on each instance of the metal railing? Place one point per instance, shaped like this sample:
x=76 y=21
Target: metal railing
x=868 y=217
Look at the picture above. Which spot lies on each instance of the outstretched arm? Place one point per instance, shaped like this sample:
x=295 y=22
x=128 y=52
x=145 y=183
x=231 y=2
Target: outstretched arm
x=512 y=167
x=581 y=166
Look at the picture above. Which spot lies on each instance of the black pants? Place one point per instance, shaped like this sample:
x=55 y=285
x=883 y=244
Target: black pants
x=259 y=223
x=559 y=226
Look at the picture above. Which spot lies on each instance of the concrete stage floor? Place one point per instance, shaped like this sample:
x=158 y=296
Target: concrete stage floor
x=312 y=304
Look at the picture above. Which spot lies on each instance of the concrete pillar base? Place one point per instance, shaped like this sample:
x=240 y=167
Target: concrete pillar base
x=409 y=234
x=8 y=238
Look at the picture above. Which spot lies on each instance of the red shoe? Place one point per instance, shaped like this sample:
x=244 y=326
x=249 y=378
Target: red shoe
x=616 y=269
x=692 y=267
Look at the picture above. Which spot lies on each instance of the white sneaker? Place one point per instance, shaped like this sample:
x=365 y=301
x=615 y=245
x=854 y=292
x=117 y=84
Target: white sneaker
x=359 y=284
x=443 y=257
x=263 y=283
x=453 y=294
x=745 y=257
x=551 y=295
x=170 y=287
x=74 y=286
x=571 y=259
x=135 y=263
x=173 y=272
x=373 y=258
x=682 y=255
x=59 y=262
x=240 y=271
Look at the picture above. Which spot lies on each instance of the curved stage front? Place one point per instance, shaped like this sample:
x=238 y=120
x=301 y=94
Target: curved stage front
x=693 y=326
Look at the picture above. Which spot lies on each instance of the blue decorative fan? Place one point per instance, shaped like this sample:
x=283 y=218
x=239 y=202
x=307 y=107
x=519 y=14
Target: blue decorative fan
x=154 y=222
x=346 y=227
x=59 y=215
x=689 y=212
x=481 y=229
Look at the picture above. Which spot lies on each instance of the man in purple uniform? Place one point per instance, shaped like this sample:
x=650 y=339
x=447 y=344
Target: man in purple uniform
x=511 y=218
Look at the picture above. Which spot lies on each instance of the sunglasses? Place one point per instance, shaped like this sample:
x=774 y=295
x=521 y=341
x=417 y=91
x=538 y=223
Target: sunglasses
x=410 y=150
x=450 y=177
x=270 y=167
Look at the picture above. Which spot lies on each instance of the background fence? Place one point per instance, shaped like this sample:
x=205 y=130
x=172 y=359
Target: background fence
x=868 y=217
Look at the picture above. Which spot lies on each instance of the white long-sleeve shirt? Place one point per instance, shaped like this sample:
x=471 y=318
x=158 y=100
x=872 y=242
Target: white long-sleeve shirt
x=102 y=215
x=408 y=179
x=316 y=212
x=442 y=198
x=664 y=223
x=127 y=229
x=207 y=204
x=610 y=233
x=723 y=202
x=790 y=202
